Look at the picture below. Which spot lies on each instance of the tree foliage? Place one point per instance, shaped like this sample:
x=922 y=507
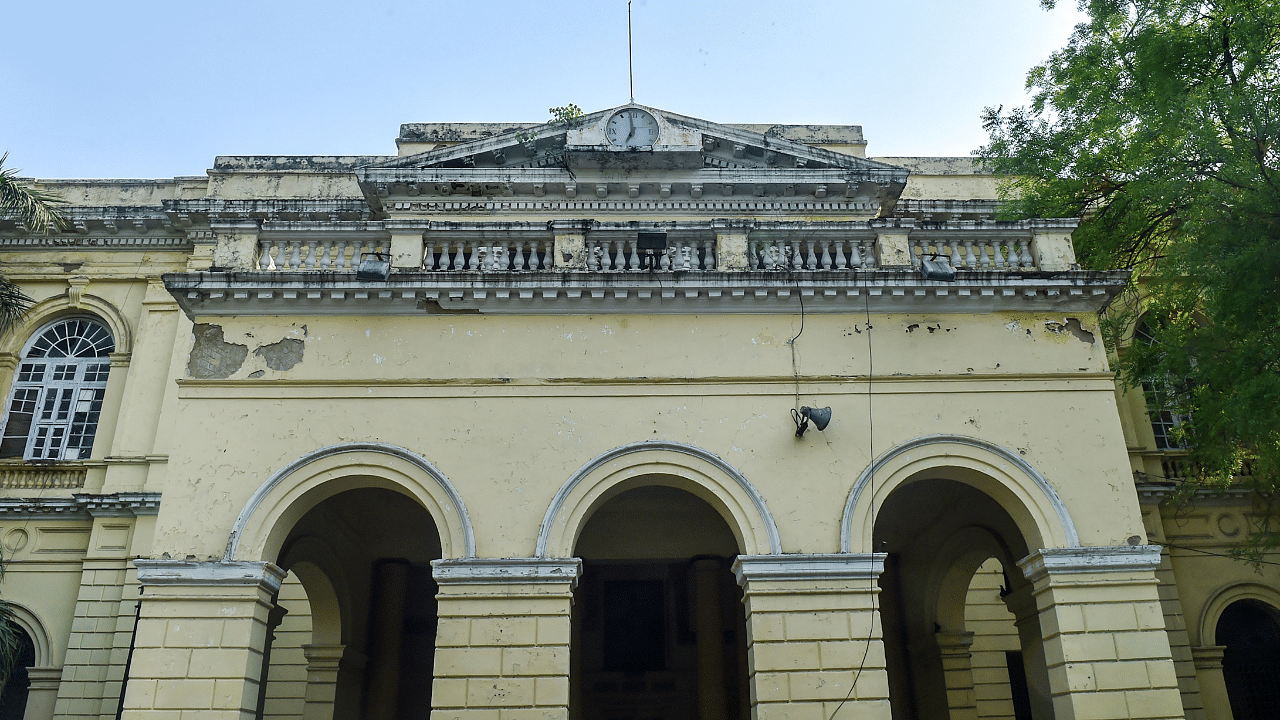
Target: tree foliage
x=1159 y=125
x=40 y=212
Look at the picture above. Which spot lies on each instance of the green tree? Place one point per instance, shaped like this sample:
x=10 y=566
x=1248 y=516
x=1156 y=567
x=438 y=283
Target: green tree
x=39 y=212
x=1159 y=125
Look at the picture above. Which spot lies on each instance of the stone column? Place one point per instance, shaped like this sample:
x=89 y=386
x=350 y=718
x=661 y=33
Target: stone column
x=570 y=251
x=957 y=670
x=710 y=639
x=502 y=642
x=732 y=245
x=812 y=628
x=42 y=693
x=198 y=645
x=893 y=243
x=1213 y=686
x=1051 y=246
x=236 y=248
x=407 y=248
x=322 y=680
x=1104 y=638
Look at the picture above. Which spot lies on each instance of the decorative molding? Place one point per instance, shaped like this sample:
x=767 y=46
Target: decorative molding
x=841 y=567
x=42 y=477
x=82 y=242
x=1060 y=508
x=560 y=293
x=1074 y=560
x=557 y=503
x=209 y=573
x=233 y=544
x=82 y=506
x=487 y=571
x=1208 y=657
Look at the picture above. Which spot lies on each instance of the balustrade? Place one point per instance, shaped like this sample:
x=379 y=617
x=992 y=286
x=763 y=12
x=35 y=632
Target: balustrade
x=619 y=255
x=811 y=254
x=488 y=256
x=978 y=254
x=293 y=255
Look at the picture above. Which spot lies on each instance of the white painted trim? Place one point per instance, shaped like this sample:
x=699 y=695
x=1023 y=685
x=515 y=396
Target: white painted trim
x=28 y=620
x=1113 y=558
x=846 y=522
x=194 y=572
x=557 y=503
x=233 y=544
x=842 y=567
x=506 y=570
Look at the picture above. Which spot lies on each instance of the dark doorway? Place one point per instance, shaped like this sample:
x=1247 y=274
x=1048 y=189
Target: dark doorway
x=659 y=626
x=13 y=695
x=1251 y=661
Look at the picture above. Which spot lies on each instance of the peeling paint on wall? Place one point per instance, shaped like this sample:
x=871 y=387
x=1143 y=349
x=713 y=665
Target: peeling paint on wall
x=282 y=355
x=1071 y=325
x=212 y=357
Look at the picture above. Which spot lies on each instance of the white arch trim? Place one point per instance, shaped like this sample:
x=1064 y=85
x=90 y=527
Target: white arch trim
x=1060 y=508
x=233 y=544
x=1226 y=595
x=558 y=502
x=27 y=619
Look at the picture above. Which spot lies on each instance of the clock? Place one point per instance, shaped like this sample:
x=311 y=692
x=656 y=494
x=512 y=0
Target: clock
x=632 y=128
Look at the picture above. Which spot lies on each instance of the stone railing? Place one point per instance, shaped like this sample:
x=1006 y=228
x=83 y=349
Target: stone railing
x=280 y=255
x=976 y=254
x=487 y=256
x=621 y=255
x=839 y=254
x=38 y=477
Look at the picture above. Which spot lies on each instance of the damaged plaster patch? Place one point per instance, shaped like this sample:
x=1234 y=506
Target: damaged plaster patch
x=1071 y=325
x=282 y=355
x=212 y=357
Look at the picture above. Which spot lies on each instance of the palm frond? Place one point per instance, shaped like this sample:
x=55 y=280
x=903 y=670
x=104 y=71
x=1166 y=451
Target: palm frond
x=39 y=210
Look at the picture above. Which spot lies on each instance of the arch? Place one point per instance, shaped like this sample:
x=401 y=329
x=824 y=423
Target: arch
x=1226 y=595
x=264 y=523
x=319 y=569
x=27 y=619
x=963 y=553
x=1004 y=475
x=688 y=468
x=61 y=307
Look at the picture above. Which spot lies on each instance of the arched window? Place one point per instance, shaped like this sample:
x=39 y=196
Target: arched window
x=57 y=394
x=1160 y=391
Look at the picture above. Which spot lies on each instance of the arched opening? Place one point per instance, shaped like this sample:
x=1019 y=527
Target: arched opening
x=352 y=633
x=1250 y=632
x=955 y=622
x=15 y=683
x=659 y=628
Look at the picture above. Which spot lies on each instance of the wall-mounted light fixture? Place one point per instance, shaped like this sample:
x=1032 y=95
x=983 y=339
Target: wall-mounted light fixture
x=801 y=417
x=374 y=266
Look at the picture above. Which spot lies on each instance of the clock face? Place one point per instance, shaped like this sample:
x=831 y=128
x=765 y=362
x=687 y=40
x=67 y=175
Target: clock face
x=632 y=128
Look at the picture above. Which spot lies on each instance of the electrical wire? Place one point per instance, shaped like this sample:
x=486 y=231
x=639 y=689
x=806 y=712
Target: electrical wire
x=1214 y=554
x=871 y=447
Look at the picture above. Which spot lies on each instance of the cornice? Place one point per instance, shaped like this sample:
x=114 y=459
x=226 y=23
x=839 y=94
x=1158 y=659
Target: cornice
x=839 y=567
x=489 y=571
x=1051 y=562
x=188 y=573
x=82 y=506
x=324 y=293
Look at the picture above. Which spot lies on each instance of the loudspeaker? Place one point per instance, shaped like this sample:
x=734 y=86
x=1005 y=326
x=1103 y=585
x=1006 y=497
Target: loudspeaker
x=819 y=416
x=374 y=266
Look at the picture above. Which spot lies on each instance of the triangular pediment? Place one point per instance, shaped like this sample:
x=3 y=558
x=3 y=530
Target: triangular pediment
x=687 y=157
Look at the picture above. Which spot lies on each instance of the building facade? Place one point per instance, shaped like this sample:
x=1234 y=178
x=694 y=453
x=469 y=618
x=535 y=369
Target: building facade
x=520 y=422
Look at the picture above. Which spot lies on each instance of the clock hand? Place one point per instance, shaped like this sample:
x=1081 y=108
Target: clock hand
x=631 y=123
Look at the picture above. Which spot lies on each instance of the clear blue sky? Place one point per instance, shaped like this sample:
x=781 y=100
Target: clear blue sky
x=157 y=89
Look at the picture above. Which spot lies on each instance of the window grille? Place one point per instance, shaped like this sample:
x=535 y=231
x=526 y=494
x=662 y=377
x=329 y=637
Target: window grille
x=57 y=394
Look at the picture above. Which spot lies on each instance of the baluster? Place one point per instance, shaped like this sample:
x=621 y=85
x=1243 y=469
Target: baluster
x=429 y=255
x=955 y=254
x=1027 y=260
x=984 y=260
x=475 y=256
x=505 y=261
x=545 y=260
x=295 y=261
x=309 y=256
x=456 y=260
x=969 y=260
x=322 y=253
x=619 y=255
x=841 y=262
x=707 y=261
x=633 y=263
x=999 y=257
x=664 y=260
x=914 y=245
x=264 y=258
x=517 y=262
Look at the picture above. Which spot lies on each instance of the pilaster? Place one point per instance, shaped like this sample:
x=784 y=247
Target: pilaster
x=813 y=635
x=236 y=245
x=323 y=663
x=570 y=250
x=502 y=642
x=732 y=245
x=1105 y=644
x=957 y=669
x=1213 y=686
x=1051 y=247
x=199 y=642
x=406 y=243
x=893 y=244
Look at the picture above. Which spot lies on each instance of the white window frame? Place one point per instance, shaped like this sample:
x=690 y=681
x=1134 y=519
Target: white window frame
x=63 y=394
